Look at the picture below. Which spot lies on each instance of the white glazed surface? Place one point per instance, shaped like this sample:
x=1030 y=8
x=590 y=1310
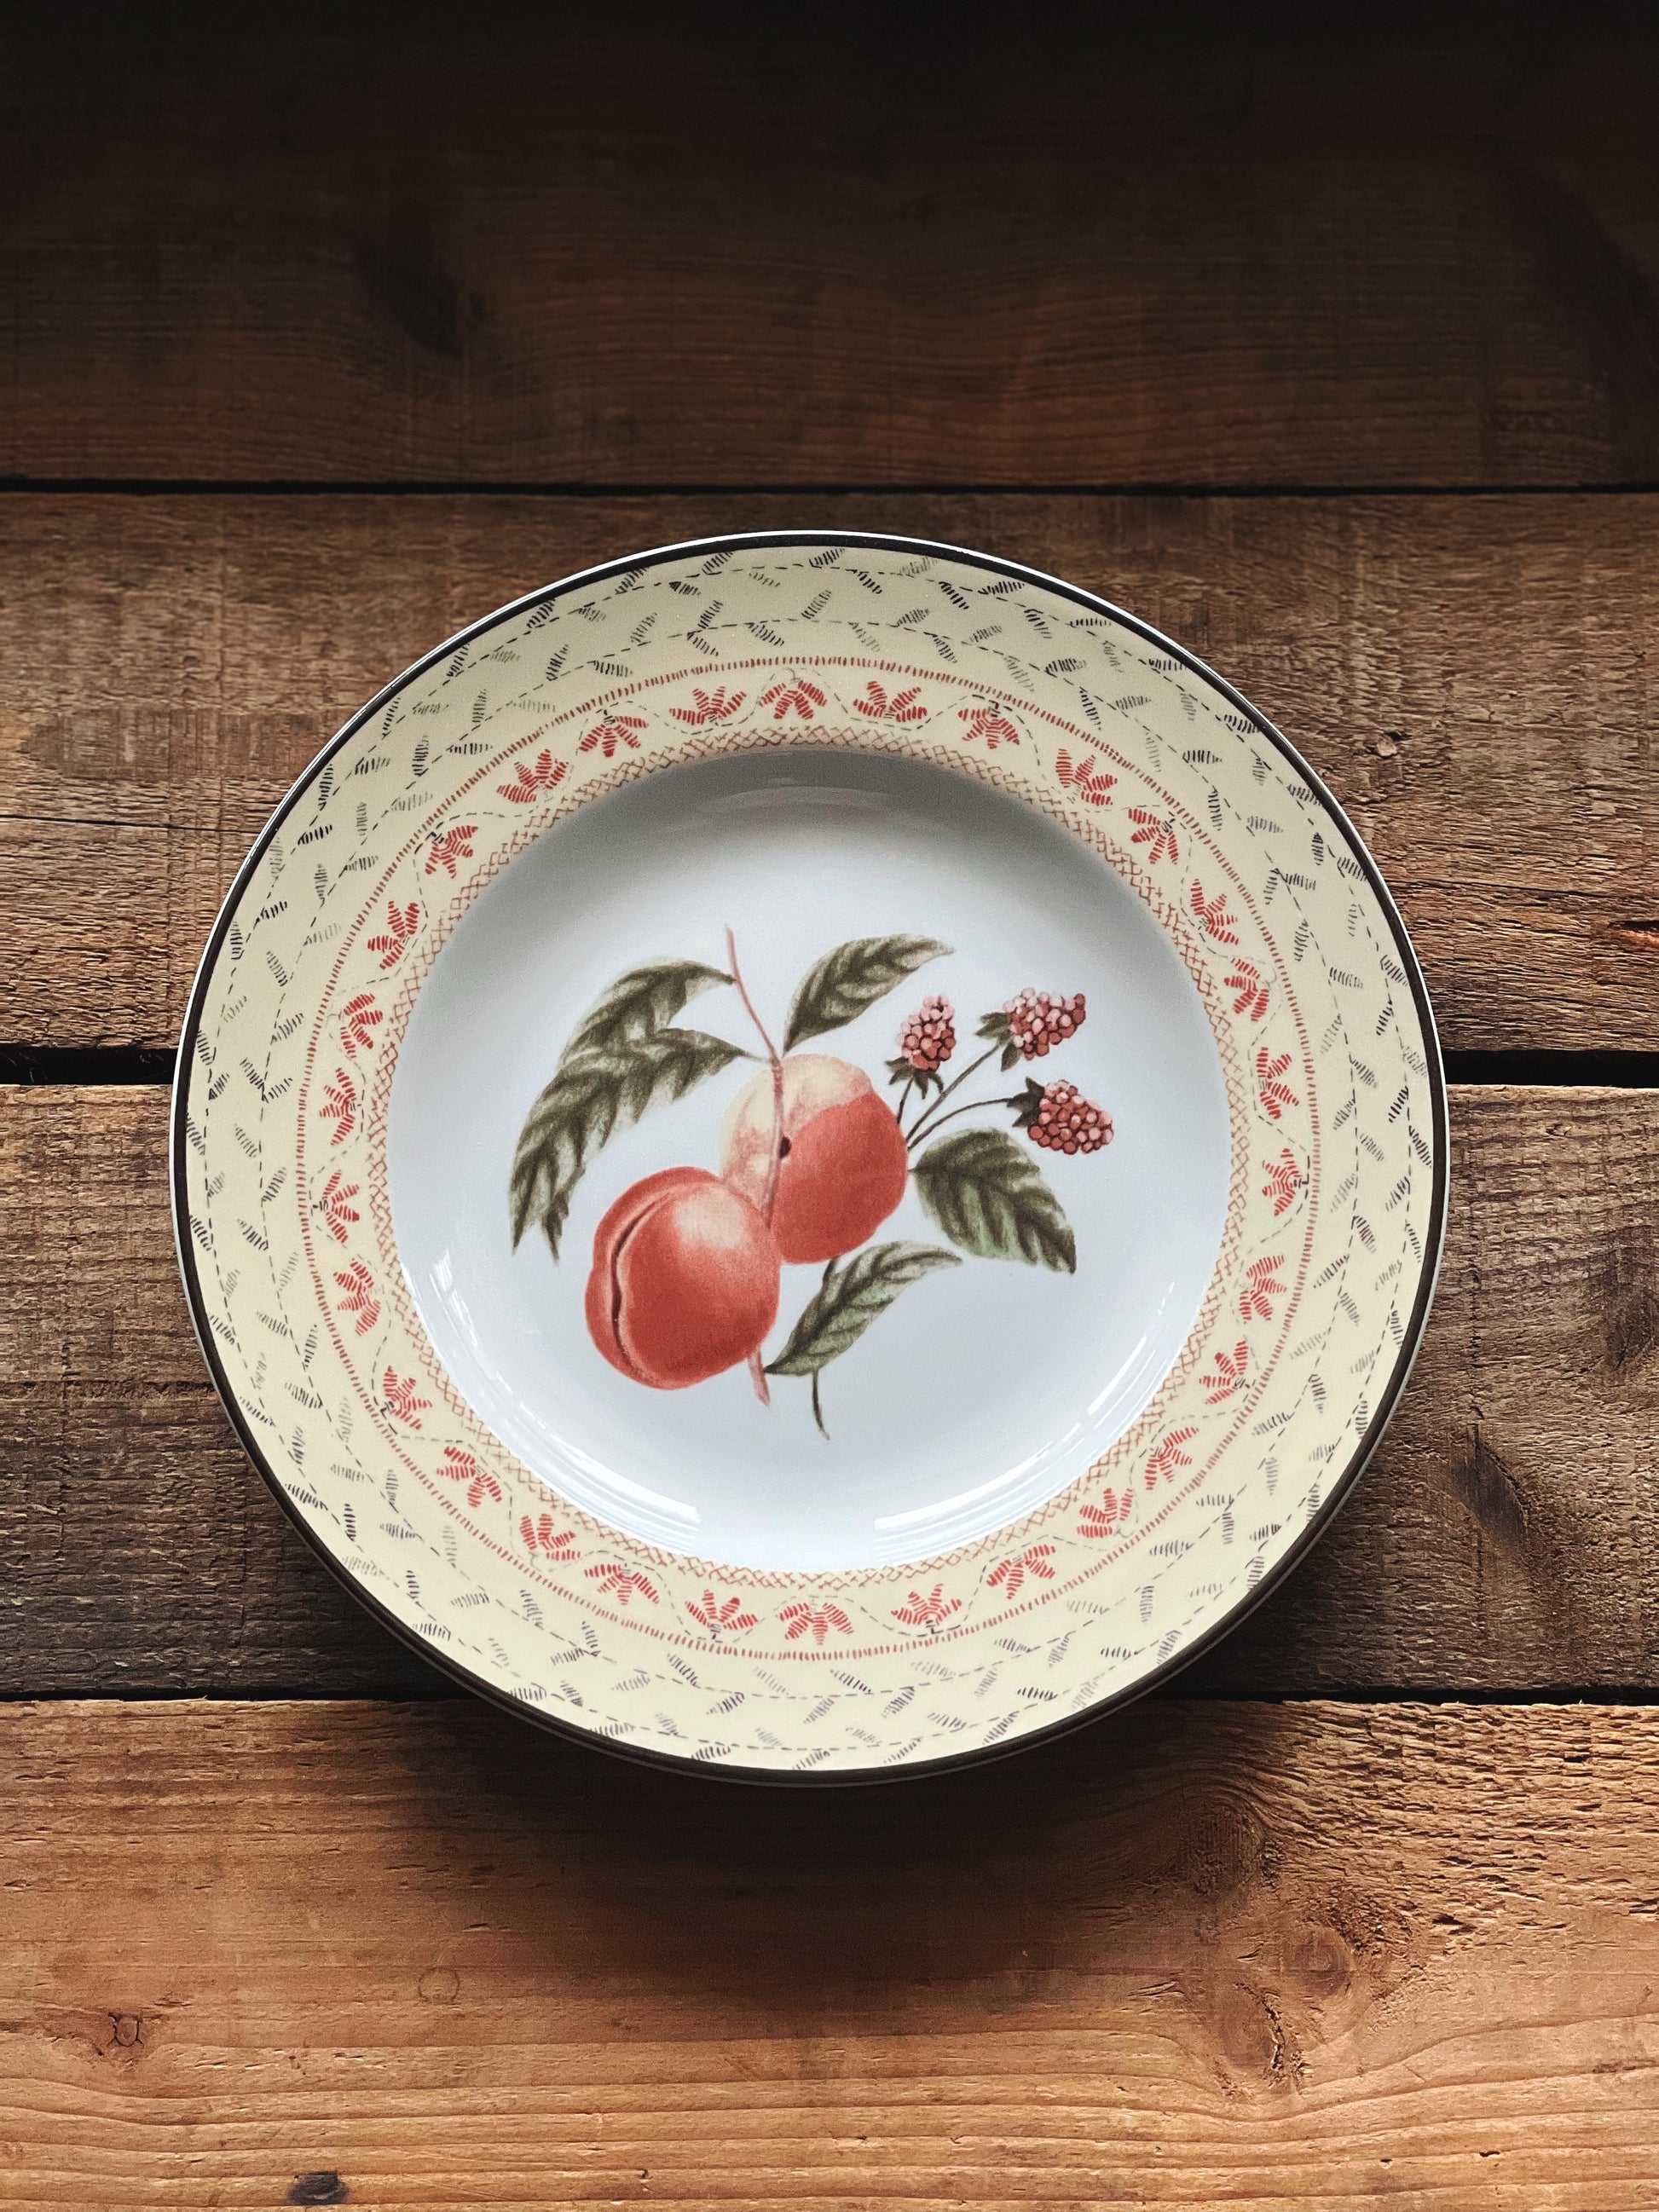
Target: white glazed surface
x=289 y=1224
x=984 y=1391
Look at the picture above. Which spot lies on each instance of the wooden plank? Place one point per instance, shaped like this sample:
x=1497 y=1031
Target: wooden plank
x=1470 y=676
x=1408 y=249
x=1267 y=1956
x=1501 y=1541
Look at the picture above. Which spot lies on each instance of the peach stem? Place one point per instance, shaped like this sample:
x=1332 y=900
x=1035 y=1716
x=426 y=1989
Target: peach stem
x=769 y=1196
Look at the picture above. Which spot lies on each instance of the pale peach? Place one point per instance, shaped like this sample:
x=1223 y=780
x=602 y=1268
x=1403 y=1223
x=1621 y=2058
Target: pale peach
x=844 y=1163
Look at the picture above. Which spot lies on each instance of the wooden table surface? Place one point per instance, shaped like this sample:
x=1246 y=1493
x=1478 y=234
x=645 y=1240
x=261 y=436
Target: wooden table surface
x=1333 y=350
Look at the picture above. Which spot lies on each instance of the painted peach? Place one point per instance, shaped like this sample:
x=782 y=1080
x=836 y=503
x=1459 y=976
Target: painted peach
x=685 y=1282
x=844 y=1163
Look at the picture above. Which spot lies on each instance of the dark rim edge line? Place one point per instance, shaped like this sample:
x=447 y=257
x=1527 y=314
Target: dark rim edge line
x=855 y=1776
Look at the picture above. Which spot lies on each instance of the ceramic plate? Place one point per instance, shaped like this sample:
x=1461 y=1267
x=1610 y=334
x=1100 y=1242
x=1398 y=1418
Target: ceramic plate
x=808 y=1154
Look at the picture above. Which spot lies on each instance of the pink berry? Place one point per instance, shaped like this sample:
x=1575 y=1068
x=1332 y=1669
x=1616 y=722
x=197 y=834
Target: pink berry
x=929 y=1037
x=1038 y=1021
x=1065 y=1123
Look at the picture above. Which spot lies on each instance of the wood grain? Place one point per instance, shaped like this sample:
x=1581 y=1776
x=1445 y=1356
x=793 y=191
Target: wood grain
x=1501 y=1541
x=1308 y=1956
x=1470 y=676
x=1413 y=248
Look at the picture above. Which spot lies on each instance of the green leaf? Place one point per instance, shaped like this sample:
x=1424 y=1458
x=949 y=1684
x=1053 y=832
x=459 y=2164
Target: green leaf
x=925 y=1079
x=1027 y=1104
x=854 y=975
x=853 y=1293
x=593 y=1095
x=639 y=1002
x=995 y=1030
x=989 y=1197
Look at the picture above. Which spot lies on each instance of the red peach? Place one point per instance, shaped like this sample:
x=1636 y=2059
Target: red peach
x=844 y=1163
x=685 y=1280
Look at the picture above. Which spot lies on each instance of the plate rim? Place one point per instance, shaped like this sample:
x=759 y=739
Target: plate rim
x=1115 y=1700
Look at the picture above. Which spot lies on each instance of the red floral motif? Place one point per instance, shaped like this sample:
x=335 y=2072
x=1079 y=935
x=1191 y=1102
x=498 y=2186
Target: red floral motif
x=1093 y=786
x=624 y=1583
x=542 y=1536
x=392 y=941
x=813 y=1621
x=1168 y=1455
x=334 y=1208
x=1262 y=1286
x=798 y=698
x=1227 y=1372
x=712 y=706
x=461 y=1467
x=901 y=707
x=1250 y=993
x=359 y=1020
x=717 y=1614
x=451 y=846
x=1158 y=831
x=1275 y=1094
x=1284 y=1179
x=340 y=1105
x=357 y=1295
x=919 y=1612
x=543 y=774
x=987 y=721
x=611 y=731
x=401 y=1399
x=1109 y=1516
x=1008 y=1574
x=1213 y=918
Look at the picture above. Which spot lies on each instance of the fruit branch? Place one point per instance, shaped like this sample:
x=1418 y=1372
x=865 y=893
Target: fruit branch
x=929 y=1113
x=974 y=1106
x=757 y=1366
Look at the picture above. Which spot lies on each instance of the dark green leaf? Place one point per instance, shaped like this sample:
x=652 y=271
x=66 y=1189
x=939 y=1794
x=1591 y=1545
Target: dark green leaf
x=988 y=1196
x=1029 y=1104
x=925 y=1079
x=593 y=1095
x=854 y=975
x=853 y=1293
x=995 y=1030
x=642 y=1000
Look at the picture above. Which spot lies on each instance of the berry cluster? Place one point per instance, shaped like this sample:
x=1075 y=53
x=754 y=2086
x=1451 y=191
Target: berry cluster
x=1038 y=1021
x=1063 y=1121
x=929 y=1037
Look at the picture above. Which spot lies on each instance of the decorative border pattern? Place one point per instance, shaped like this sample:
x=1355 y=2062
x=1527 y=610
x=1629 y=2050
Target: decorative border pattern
x=1333 y=1226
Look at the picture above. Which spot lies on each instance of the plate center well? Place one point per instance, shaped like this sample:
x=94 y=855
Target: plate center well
x=984 y=1388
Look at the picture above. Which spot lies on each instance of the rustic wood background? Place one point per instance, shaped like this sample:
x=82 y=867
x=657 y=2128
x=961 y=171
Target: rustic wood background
x=1330 y=346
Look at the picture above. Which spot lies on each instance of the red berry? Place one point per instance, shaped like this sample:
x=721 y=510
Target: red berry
x=929 y=1037
x=1038 y=1021
x=1065 y=1123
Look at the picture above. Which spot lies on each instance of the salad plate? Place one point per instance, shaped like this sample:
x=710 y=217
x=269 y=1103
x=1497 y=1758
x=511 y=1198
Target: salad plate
x=809 y=1155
